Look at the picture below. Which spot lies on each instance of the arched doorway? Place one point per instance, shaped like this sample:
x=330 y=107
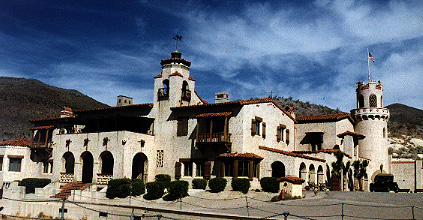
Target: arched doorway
x=320 y=175
x=312 y=174
x=68 y=162
x=107 y=162
x=139 y=167
x=303 y=171
x=87 y=167
x=278 y=169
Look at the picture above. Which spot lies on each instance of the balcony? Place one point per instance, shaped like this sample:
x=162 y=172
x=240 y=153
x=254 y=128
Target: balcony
x=214 y=138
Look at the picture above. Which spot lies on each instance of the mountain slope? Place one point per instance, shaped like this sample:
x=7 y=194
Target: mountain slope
x=405 y=120
x=22 y=100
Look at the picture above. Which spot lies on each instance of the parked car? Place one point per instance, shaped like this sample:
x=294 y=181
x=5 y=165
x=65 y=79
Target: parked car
x=384 y=182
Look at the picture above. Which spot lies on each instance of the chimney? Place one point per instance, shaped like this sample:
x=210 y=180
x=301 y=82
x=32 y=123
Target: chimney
x=66 y=112
x=221 y=97
x=291 y=111
x=124 y=100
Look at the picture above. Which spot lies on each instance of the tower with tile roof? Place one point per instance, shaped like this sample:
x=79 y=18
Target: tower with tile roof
x=371 y=120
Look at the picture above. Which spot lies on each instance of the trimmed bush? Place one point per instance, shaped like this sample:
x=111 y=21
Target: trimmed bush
x=138 y=187
x=121 y=188
x=269 y=184
x=163 y=179
x=32 y=183
x=177 y=189
x=199 y=183
x=217 y=184
x=155 y=190
x=240 y=184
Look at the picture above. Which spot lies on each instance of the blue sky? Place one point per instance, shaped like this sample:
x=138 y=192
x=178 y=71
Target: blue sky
x=310 y=50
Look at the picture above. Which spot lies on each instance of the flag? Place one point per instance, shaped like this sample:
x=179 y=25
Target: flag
x=371 y=58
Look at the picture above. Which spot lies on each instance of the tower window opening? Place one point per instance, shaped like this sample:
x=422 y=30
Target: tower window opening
x=360 y=101
x=373 y=100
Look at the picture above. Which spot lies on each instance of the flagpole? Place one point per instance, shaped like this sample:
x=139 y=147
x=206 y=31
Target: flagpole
x=368 y=64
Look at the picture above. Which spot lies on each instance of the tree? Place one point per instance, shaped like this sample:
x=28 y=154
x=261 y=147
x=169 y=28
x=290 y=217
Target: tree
x=339 y=166
x=360 y=171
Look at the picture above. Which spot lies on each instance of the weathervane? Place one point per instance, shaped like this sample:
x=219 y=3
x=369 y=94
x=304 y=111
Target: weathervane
x=177 y=38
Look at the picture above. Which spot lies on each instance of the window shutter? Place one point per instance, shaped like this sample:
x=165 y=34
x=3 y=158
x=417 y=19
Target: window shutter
x=287 y=136
x=263 y=130
x=207 y=170
x=278 y=133
x=253 y=127
x=178 y=167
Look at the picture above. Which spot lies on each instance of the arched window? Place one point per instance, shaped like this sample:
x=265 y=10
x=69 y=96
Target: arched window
x=166 y=87
x=381 y=101
x=373 y=100
x=186 y=93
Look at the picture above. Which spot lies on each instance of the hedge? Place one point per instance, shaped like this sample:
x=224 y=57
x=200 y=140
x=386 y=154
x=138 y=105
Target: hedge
x=163 y=179
x=121 y=188
x=199 y=183
x=269 y=184
x=217 y=184
x=240 y=184
x=32 y=183
x=177 y=189
x=155 y=190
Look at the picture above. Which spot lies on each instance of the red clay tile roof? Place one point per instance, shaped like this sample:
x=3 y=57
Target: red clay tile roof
x=352 y=134
x=317 y=151
x=240 y=102
x=17 y=142
x=67 y=109
x=176 y=73
x=175 y=60
x=43 y=127
x=240 y=155
x=288 y=153
x=158 y=76
x=291 y=179
x=317 y=118
x=117 y=107
x=409 y=161
x=190 y=78
x=216 y=114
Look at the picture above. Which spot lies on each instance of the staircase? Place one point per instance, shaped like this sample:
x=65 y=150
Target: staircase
x=66 y=190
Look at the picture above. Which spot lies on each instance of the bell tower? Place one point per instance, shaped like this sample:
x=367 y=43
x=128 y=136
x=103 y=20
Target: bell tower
x=371 y=120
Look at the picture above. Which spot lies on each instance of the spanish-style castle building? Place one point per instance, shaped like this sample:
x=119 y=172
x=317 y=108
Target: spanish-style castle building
x=182 y=135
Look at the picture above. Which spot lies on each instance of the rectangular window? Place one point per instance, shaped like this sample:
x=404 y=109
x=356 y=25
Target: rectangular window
x=287 y=136
x=1 y=163
x=228 y=169
x=45 y=167
x=200 y=169
x=182 y=129
x=255 y=126
x=187 y=168
x=243 y=167
x=15 y=164
x=160 y=155
x=281 y=133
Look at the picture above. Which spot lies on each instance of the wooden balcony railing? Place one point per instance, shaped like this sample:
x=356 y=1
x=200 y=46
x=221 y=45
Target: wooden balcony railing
x=42 y=144
x=214 y=138
x=66 y=177
x=104 y=178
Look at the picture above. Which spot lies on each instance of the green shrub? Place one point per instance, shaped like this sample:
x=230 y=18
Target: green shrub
x=177 y=189
x=32 y=183
x=199 y=183
x=269 y=184
x=240 y=184
x=163 y=179
x=121 y=188
x=155 y=190
x=138 y=187
x=217 y=184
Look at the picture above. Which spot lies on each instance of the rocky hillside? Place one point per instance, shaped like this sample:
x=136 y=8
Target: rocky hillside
x=22 y=100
